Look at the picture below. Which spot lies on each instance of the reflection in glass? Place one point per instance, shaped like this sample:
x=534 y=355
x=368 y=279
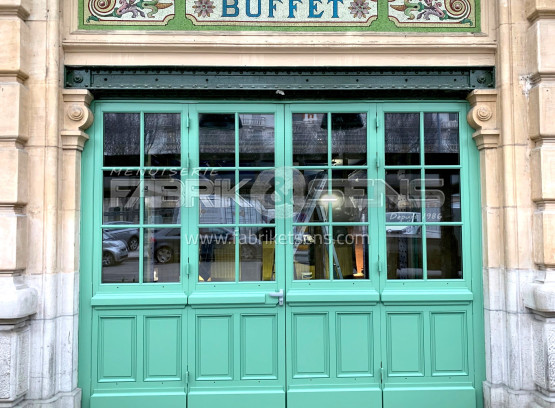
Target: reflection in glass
x=130 y=236
x=122 y=133
x=217 y=139
x=441 y=138
x=162 y=253
x=350 y=244
x=402 y=139
x=257 y=254
x=404 y=252
x=311 y=253
x=162 y=198
x=217 y=198
x=256 y=140
x=311 y=196
x=121 y=197
x=310 y=140
x=256 y=192
x=403 y=192
x=443 y=195
x=216 y=255
x=348 y=138
x=162 y=139
x=444 y=252
x=349 y=198
x=118 y=264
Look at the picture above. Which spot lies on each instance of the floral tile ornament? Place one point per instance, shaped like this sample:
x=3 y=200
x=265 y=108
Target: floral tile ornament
x=129 y=12
x=282 y=13
x=433 y=13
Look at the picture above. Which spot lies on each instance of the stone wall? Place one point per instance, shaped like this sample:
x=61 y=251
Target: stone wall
x=42 y=134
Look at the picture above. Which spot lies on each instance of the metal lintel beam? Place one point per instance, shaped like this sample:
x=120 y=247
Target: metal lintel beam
x=260 y=79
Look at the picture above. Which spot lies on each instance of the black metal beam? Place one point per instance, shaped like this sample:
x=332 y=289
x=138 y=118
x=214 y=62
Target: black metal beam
x=278 y=79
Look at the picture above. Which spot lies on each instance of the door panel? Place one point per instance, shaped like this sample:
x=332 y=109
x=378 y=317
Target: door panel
x=237 y=329
x=333 y=319
x=294 y=255
x=427 y=291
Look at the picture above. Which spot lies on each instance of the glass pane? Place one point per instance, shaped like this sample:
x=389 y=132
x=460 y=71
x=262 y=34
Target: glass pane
x=348 y=138
x=217 y=139
x=311 y=253
x=118 y=265
x=441 y=138
x=163 y=139
x=310 y=139
x=403 y=196
x=216 y=255
x=349 y=197
x=404 y=252
x=402 y=139
x=217 y=198
x=122 y=134
x=256 y=192
x=257 y=254
x=351 y=252
x=128 y=235
x=311 y=196
x=162 y=197
x=443 y=195
x=256 y=140
x=121 y=201
x=162 y=254
x=444 y=251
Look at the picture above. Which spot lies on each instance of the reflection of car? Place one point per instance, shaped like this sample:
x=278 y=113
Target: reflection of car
x=113 y=250
x=402 y=218
x=127 y=235
x=166 y=245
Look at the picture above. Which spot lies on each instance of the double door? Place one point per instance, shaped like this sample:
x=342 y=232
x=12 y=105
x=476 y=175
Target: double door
x=281 y=255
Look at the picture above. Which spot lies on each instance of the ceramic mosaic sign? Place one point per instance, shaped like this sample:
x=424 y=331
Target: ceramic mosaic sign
x=287 y=15
x=432 y=12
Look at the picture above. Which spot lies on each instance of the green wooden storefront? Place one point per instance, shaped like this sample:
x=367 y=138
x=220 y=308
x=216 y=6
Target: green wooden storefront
x=280 y=254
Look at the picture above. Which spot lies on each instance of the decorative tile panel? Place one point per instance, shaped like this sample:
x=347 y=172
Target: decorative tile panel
x=282 y=15
x=433 y=13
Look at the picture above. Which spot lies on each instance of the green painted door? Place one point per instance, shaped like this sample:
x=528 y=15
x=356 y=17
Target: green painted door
x=280 y=255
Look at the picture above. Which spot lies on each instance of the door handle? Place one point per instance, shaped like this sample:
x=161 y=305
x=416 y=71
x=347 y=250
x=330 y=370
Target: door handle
x=279 y=295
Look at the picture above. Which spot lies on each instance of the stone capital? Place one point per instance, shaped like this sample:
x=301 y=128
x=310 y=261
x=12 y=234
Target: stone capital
x=482 y=117
x=19 y=8
x=539 y=9
x=77 y=118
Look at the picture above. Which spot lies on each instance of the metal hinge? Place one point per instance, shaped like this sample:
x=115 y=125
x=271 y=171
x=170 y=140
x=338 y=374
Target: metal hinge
x=187 y=377
x=377 y=160
x=381 y=374
x=187 y=268
x=187 y=121
x=380 y=265
x=377 y=122
x=187 y=162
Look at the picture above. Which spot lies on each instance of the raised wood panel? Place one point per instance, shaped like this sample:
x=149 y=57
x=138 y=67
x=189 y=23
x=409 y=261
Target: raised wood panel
x=405 y=344
x=449 y=339
x=117 y=353
x=310 y=345
x=259 y=348
x=214 y=347
x=355 y=344
x=162 y=349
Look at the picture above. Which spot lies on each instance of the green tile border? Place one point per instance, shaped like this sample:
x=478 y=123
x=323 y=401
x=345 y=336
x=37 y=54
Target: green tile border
x=381 y=24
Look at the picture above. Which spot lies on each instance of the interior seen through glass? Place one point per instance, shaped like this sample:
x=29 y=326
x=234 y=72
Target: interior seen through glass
x=238 y=206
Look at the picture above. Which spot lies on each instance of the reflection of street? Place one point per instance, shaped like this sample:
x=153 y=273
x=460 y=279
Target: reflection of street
x=128 y=271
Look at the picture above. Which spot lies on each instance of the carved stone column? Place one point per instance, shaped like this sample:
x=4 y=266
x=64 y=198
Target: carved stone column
x=77 y=118
x=483 y=118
